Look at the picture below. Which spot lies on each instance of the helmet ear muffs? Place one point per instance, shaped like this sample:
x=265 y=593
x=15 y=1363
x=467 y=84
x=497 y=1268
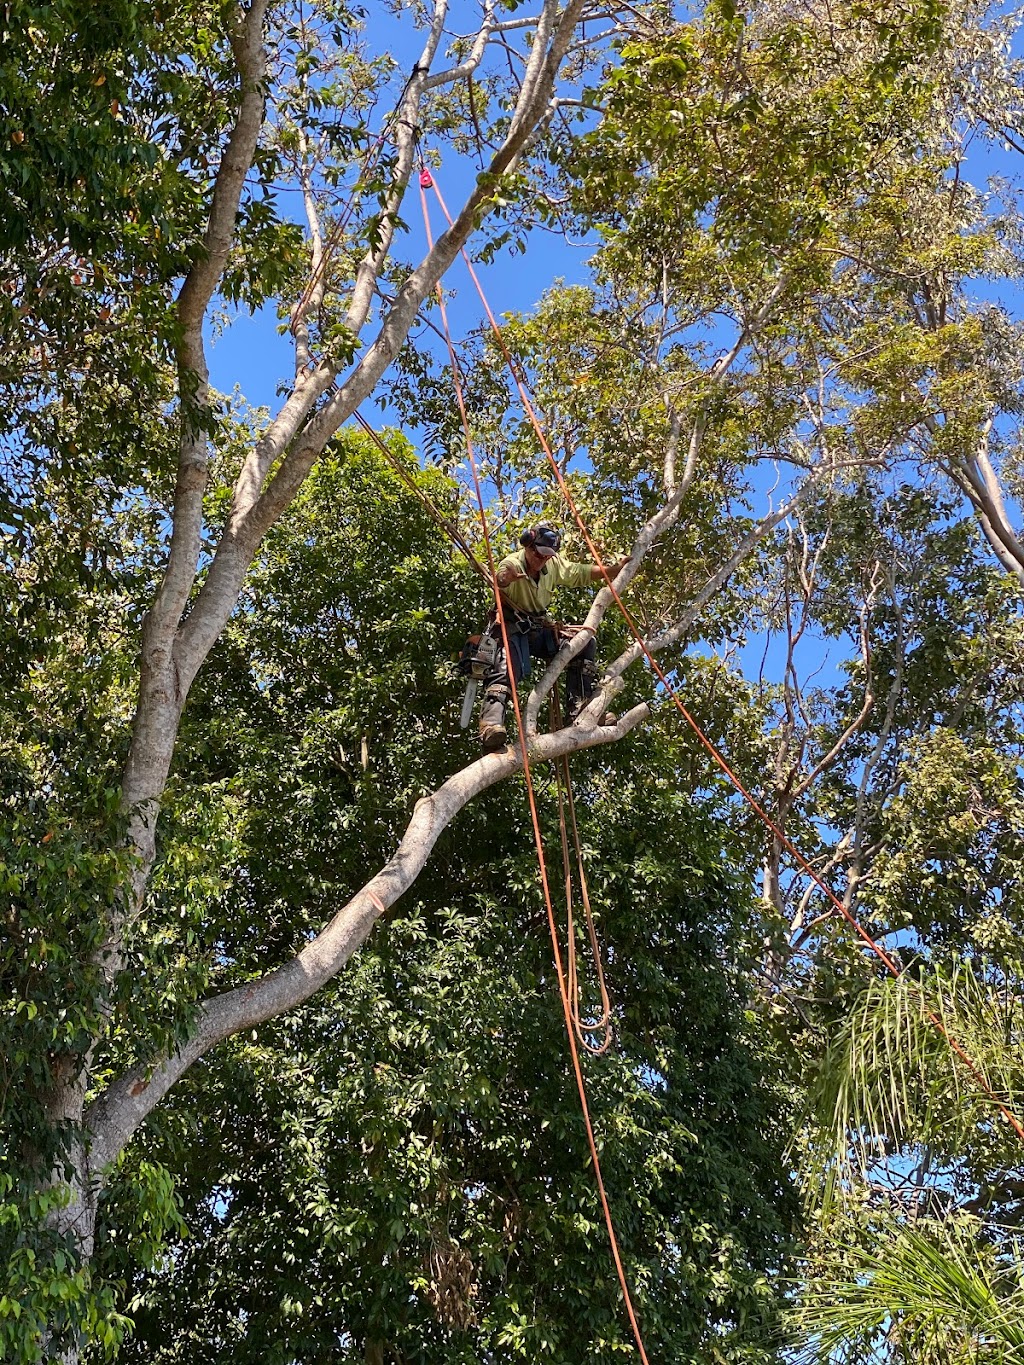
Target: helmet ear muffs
x=543 y=536
x=547 y=537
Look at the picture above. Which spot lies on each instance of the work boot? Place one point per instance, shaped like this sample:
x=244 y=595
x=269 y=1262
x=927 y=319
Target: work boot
x=492 y=720
x=493 y=738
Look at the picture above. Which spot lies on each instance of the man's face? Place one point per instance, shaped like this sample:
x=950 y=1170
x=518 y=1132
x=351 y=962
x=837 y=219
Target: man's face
x=535 y=561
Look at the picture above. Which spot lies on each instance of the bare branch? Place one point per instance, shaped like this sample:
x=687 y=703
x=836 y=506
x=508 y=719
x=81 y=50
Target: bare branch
x=247 y=46
x=193 y=301
x=655 y=527
x=472 y=62
x=161 y=693
x=978 y=480
x=855 y=725
x=885 y=729
x=314 y=294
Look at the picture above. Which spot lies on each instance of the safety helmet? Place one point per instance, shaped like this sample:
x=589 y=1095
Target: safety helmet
x=544 y=539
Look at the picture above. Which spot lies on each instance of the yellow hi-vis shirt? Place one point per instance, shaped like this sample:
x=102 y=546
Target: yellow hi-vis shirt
x=534 y=595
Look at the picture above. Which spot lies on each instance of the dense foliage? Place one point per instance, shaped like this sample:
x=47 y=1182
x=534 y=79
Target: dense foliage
x=402 y=1167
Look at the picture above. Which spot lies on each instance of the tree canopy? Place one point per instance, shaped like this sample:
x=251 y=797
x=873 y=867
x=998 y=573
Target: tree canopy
x=284 y=1072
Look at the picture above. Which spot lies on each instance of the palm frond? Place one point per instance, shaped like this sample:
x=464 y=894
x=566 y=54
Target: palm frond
x=892 y=1077
x=933 y=1294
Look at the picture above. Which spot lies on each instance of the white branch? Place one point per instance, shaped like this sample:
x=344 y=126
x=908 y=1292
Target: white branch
x=472 y=62
x=655 y=527
x=255 y=511
x=161 y=693
x=193 y=301
x=116 y=1114
x=979 y=481
x=314 y=294
x=681 y=627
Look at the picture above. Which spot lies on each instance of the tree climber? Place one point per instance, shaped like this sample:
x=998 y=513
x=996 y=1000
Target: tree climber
x=526 y=581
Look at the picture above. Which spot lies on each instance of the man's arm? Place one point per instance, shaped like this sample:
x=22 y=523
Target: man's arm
x=597 y=573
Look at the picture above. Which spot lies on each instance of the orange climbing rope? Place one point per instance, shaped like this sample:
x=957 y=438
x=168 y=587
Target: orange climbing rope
x=560 y=973
x=445 y=523
x=717 y=757
x=586 y=1029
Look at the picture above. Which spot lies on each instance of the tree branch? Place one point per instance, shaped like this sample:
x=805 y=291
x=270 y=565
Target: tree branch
x=114 y=1116
x=161 y=695
x=472 y=62
x=253 y=512
x=978 y=480
x=681 y=627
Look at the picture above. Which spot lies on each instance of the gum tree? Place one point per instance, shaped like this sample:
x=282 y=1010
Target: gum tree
x=214 y=104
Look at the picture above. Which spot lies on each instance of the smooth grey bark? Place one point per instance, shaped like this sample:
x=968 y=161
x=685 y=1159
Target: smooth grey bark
x=160 y=694
x=162 y=689
x=977 y=479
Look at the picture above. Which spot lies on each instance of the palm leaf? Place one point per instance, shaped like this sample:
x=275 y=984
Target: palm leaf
x=885 y=1283
x=893 y=1078
x=928 y=1294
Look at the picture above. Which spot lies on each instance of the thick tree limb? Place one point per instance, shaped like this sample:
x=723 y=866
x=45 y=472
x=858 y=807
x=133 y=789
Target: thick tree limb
x=113 y=1118
x=977 y=478
x=161 y=694
x=472 y=62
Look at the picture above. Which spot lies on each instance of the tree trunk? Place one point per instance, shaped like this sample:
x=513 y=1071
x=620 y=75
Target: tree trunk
x=74 y=1221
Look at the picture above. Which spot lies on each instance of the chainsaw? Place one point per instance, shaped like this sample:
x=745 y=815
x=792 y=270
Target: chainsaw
x=475 y=662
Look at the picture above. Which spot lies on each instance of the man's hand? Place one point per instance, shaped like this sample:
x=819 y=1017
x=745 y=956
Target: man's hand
x=508 y=575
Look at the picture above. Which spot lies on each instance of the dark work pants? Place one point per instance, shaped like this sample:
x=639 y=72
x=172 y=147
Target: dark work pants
x=541 y=642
